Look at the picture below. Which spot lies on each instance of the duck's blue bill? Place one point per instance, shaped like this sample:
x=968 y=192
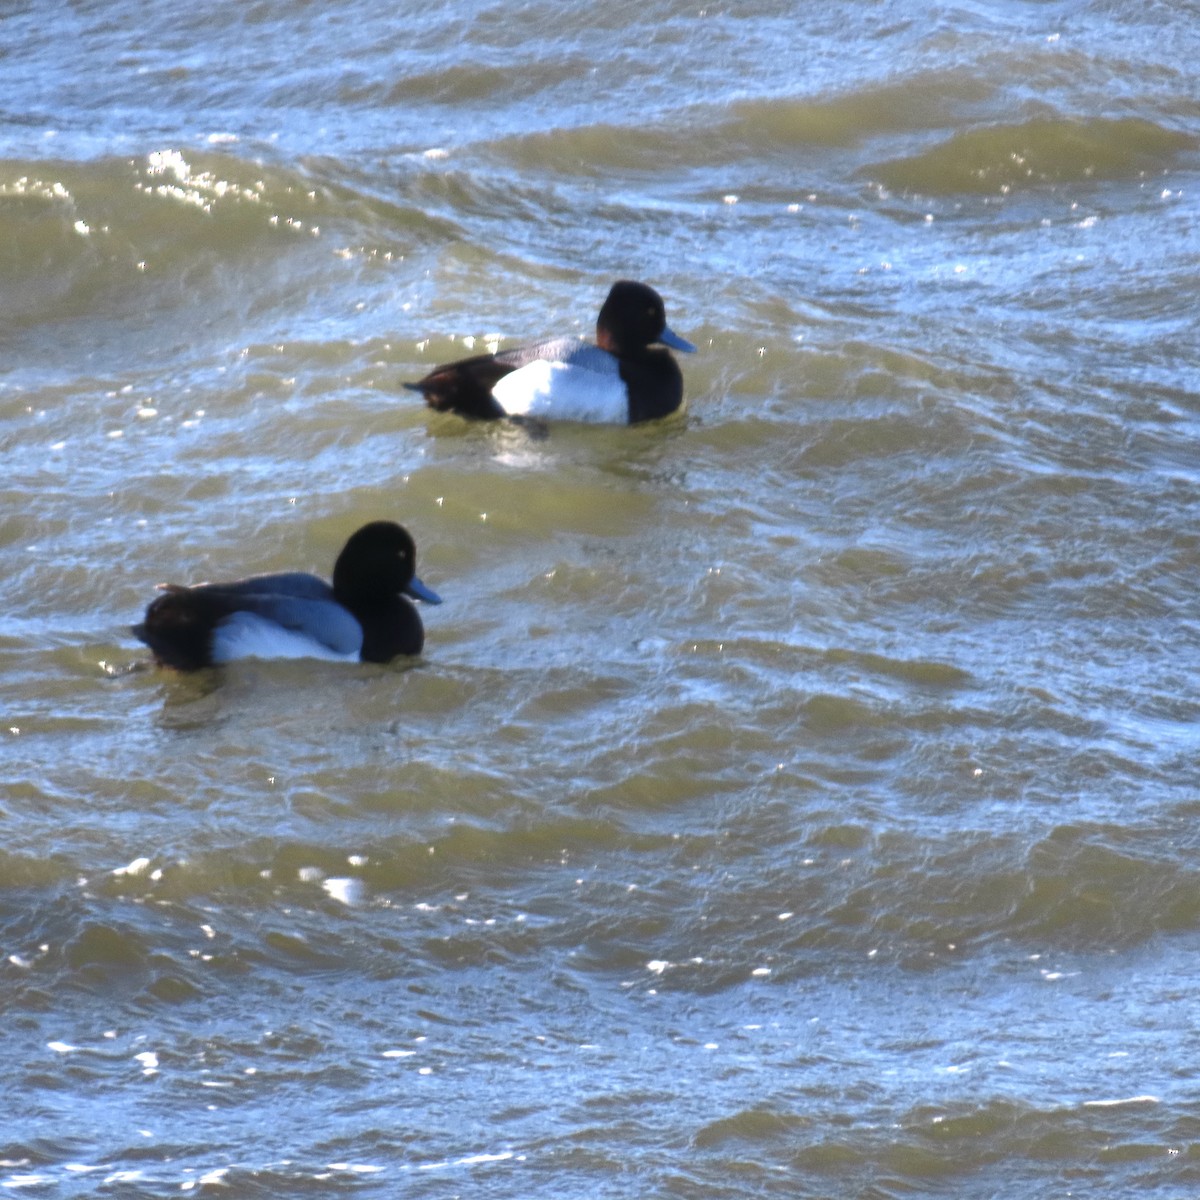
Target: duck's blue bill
x=676 y=342
x=421 y=592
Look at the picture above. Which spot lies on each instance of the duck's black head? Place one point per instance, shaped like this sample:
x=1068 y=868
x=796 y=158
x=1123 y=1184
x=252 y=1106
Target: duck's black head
x=634 y=317
x=378 y=562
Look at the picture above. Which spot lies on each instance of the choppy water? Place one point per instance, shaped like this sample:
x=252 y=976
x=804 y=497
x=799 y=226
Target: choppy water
x=795 y=798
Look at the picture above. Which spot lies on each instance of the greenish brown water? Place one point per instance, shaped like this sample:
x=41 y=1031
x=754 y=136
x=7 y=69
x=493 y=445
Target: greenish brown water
x=796 y=797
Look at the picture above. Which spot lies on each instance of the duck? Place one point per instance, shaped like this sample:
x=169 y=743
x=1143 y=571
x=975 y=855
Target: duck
x=363 y=616
x=626 y=376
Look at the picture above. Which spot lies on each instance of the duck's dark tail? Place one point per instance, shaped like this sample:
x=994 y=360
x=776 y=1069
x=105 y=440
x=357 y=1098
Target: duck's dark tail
x=463 y=391
x=179 y=625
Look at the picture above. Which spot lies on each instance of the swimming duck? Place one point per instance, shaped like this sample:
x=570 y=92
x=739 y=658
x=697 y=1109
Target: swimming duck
x=622 y=378
x=363 y=617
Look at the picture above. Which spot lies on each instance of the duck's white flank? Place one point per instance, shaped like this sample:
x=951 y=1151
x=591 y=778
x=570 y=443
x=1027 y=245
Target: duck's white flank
x=565 y=392
x=247 y=635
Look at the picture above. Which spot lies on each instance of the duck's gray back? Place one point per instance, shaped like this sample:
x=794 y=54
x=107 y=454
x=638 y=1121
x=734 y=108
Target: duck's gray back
x=573 y=352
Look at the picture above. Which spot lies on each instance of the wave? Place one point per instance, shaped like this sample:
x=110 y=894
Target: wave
x=1013 y=1138
x=94 y=237
x=1001 y=158
x=845 y=897
x=705 y=134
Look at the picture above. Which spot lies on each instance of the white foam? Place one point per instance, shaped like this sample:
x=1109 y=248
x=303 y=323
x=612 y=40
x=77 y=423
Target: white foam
x=347 y=891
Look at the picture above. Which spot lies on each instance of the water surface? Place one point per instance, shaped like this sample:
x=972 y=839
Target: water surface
x=796 y=797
